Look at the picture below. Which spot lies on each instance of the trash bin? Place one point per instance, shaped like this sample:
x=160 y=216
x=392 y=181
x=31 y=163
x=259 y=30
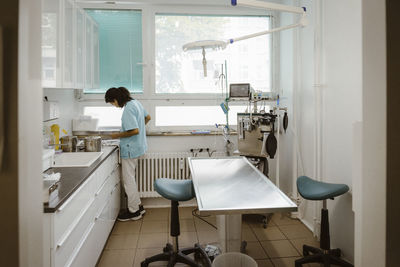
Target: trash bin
x=234 y=259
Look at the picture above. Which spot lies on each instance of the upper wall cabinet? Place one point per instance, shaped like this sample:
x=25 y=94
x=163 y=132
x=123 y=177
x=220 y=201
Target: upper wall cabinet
x=69 y=56
x=51 y=43
x=80 y=46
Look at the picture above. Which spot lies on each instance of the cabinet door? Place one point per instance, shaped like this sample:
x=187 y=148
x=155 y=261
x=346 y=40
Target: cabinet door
x=96 y=56
x=79 y=51
x=68 y=44
x=51 y=61
x=88 y=52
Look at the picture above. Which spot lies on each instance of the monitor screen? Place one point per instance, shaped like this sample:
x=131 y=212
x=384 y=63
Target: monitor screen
x=239 y=90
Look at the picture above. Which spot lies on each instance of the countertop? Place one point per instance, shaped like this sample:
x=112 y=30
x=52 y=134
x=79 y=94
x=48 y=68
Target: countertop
x=72 y=178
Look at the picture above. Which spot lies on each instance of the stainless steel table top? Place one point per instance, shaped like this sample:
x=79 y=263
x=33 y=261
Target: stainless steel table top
x=232 y=185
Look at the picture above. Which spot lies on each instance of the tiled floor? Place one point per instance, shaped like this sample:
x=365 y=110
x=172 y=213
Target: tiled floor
x=278 y=245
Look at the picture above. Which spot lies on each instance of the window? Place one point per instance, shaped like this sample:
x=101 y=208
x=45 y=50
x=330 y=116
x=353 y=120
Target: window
x=195 y=115
x=182 y=72
x=108 y=116
x=175 y=92
x=120 y=52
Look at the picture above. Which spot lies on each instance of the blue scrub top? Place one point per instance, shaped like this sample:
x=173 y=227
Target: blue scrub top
x=133 y=118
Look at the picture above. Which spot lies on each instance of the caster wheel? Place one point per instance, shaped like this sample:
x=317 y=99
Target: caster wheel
x=305 y=252
x=197 y=256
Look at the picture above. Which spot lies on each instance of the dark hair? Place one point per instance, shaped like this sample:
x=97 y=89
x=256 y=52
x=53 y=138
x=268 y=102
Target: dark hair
x=121 y=94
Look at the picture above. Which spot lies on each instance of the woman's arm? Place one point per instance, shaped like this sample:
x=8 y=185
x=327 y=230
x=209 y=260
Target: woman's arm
x=125 y=134
x=147 y=119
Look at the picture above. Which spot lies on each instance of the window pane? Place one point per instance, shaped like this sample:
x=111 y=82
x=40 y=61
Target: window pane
x=195 y=115
x=108 y=116
x=120 y=40
x=247 y=61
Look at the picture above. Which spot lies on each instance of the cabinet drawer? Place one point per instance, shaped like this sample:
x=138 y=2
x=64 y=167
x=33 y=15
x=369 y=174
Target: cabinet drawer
x=69 y=241
x=107 y=168
x=103 y=193
x=92 y=243
x=68 y=215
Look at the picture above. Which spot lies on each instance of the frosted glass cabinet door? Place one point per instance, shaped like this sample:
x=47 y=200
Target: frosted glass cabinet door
x=68 y=42
x=96 y=61
x=51 y=68
x=88 y=52
x=79 y=52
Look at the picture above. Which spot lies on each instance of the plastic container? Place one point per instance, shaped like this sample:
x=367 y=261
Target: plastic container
x=234 y=259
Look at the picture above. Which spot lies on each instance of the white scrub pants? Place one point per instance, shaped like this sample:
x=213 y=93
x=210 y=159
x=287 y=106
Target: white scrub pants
x=128 y=179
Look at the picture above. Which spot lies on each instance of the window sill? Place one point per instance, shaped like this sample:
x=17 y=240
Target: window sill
x=186 y=133
x=105 y=133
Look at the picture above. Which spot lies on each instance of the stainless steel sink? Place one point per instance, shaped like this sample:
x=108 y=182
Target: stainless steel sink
x=76 y=159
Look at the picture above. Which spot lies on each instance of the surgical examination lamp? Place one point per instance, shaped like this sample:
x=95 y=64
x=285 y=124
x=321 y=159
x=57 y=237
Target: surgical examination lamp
x=220 y=44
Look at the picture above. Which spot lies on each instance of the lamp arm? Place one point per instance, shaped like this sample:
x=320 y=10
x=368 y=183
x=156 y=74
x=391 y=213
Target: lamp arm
x=268 y=5
x=302 y=22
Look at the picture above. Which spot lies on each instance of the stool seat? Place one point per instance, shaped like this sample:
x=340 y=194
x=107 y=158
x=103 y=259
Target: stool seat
x=176 y=190
x=314 y=190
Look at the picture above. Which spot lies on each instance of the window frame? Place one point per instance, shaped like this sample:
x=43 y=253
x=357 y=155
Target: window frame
x=149 y=98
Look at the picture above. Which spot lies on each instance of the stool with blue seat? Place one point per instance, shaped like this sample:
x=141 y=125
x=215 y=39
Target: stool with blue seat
x=314 y=190
x=177 y=190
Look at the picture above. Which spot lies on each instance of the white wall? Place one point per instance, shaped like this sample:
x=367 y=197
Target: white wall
x=336 y=72
x=30 y=202
x=371 y=220
x=68 y=108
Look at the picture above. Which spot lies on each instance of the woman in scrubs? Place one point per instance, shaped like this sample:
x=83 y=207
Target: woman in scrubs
x=133 y=144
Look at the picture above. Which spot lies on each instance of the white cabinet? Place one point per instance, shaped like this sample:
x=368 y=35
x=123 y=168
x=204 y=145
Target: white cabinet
x=68 y=43
x=95 y=54
x=51 y=61
x=70 y=46
x=80 y=46
x=88 y=51
x=76 y=233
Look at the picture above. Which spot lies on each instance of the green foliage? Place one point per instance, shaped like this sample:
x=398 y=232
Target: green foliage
x=172 y=32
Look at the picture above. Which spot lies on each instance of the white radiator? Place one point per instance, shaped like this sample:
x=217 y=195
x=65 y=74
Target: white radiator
x=162 y=165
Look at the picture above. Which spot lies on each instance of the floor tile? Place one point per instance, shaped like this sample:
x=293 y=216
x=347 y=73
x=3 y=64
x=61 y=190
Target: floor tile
x=154 y=227
x=127 y=241
x=186 y=212
x=298 y=243
x=256 y=220
x=279 y=248
x=284 y=262
x=207 y=237
x=143 y=253
x=187 y=225
x=284 y=219
x=245 y=225
x=120 y=258
x=186 y=239
x=296 y=231
x=159 y=214
x=255 y=250
x=264 y=263
x=248 y=235
x=129 y=227
x=154 y=240
x=203 y=226
x=269 y=233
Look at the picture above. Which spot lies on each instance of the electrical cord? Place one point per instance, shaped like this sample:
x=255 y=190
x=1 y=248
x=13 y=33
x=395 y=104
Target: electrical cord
x=200 y=217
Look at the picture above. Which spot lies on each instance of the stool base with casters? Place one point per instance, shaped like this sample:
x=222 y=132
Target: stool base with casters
x=314 y=190
x=177 y=191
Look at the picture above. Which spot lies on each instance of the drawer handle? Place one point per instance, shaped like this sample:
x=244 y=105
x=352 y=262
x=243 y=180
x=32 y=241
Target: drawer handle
x=76 y=251
x=101 y=188
x=72 y=227
x=115 y=188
